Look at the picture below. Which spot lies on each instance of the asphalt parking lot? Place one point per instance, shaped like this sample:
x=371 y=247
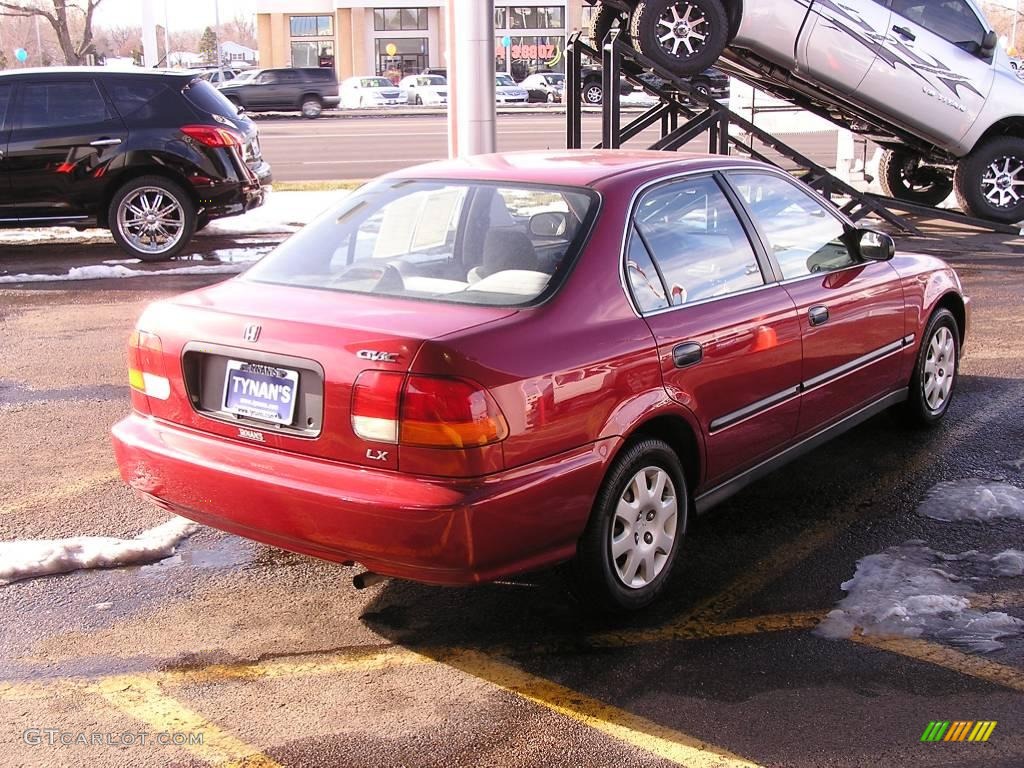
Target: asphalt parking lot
x=274 y=659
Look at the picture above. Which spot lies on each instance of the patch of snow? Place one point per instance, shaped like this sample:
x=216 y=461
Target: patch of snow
x=959 y=500
x=105 y=271
x=54 y=235
x=241 y=255
x=283 y=212
x=915 y=591
x=42 y=557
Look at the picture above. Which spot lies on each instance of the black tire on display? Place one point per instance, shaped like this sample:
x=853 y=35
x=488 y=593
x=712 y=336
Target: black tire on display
x=989 y=182
x=933 y=382
x=152 y=218
x=632 y=540
x=604 y=21
x=902 y=175
x=684 y=36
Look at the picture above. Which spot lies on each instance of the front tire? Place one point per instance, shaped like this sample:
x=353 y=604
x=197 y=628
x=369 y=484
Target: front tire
x=990 y=181
x=935 y=372
x=684 y=36
x=902 y=176
x=152 y=218
x=593 y=94
x=632 y=540
x=311 y=108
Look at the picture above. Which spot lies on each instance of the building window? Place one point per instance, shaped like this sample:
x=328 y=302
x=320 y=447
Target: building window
x=409 y=57
x=540 y=17
x=536 y=54
x=500 y=18
x=399 y=19
x=311 y=53
x=312 y=26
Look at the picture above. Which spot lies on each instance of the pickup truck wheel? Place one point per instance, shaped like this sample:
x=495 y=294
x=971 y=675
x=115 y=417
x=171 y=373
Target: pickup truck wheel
x=152 y=218
x=632 y=540
x=935 y=372
x=311 y=107
x=902 y=175
x=990 y=181
x=684 y=36
x=604 y=20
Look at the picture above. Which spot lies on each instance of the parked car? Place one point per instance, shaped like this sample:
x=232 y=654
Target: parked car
x=592 y=85
x=545 y=86
x=926 y=79
x=466 y=372
x=242 y=77
x=431 y=90
x=152 y=156
x=508 y=91
x=370 y=92
x=309 y=90
x=218 y=76
x=712 y=82
x=439 y=71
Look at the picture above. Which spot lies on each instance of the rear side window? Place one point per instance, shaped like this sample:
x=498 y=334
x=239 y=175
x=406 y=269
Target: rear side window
x=460 y=242
x=322 y=75
x=5 y=102
x=697 y=241
x=45 y=105
x=208 y=99
x=131 y=95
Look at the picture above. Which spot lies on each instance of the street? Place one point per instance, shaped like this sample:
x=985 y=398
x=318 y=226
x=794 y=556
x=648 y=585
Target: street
x=278 y=661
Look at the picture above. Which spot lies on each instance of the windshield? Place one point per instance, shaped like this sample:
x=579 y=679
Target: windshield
x=375 y=82
x=452 y=241
x=431 y=80
x=505 y=80
x=554 y=79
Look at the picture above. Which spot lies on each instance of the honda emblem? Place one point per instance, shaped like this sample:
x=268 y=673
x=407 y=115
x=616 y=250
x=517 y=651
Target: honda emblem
x=252 y=333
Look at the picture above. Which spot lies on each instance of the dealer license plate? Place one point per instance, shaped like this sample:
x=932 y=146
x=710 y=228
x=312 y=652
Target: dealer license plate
x=263 y=392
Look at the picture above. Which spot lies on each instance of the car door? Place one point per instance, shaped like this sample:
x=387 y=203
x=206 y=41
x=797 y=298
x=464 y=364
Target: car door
x=728 y=337
x=265 y=93
x=851 y=311
x=8 y=212
x=65 y=132
x=930 y=75
x=839 y=42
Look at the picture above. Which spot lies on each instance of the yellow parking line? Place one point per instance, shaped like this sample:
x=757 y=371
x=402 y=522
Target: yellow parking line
x=60 y=493
x=694 y=629
x=142 y=699
x=619 y=724
x=947 y=658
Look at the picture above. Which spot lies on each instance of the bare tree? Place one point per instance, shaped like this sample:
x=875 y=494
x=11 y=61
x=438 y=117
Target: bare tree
x=70 y=19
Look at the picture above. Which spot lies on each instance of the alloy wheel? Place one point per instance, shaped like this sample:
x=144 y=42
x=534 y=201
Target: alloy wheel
x=939 y=369
x=151 y=220
x=682 y=25
x=1002 y=181
x=643 y=530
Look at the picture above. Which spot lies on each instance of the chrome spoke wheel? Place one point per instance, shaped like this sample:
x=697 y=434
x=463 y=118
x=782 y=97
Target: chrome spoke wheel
x=151 y=220
x=1003 y=182
x=682 y=29
x=644 y=526
x=939 y=369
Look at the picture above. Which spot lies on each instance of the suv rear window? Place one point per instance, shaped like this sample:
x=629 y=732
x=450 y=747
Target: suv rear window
x=208 y=99
x=451 y=241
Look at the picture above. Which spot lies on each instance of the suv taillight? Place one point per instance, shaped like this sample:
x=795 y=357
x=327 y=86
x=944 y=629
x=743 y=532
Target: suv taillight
x=425 y=411
x=212 y=136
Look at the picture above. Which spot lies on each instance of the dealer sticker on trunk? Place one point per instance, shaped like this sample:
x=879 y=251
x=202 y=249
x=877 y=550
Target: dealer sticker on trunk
x=263 y=392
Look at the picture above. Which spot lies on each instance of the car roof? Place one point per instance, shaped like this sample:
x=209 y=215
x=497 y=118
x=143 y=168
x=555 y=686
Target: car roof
x=569 y=167
x=136 y=72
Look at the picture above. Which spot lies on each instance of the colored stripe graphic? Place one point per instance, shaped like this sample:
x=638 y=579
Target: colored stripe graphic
x=935 y=731
x=958 y=730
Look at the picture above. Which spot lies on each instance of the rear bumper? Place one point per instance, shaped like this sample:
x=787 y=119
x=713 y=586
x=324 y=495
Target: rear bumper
x=427 y=529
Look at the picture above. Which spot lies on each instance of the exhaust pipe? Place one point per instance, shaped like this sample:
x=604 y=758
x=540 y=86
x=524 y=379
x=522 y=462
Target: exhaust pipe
x=367 y=580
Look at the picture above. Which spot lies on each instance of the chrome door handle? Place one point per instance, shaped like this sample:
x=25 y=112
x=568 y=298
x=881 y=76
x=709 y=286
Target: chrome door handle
x=817 y=315
x=105 y=143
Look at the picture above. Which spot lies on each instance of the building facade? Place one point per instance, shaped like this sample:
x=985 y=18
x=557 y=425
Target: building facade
x=403 y=37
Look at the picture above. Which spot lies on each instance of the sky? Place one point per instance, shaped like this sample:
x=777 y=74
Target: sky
x=182 y=14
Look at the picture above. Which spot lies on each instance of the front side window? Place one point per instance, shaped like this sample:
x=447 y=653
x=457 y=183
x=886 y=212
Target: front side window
x=952 y=20
x=460 y=242
x=804 y=236
x=45 y=105
x=697 y=242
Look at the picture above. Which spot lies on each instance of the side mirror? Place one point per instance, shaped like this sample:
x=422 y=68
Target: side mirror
x=989 y=43
x=875 y=246
x=552 y=224
x=241 y=109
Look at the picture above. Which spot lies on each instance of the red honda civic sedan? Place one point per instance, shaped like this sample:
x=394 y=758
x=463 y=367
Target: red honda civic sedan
x=477 y=368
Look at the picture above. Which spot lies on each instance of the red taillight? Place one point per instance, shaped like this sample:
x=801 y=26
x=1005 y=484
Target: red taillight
x=212 y=136
x=425 y=411
x=146 y=365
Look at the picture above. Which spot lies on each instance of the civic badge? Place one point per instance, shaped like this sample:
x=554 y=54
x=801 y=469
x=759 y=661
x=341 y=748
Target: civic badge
x=252 y=333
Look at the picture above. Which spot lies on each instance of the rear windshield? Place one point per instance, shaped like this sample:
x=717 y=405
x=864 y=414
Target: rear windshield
x=209 y=99
x=451 y=241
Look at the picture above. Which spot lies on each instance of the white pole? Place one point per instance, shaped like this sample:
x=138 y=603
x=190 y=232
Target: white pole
x=150 y=50
x=216 y=22
x=39 y=43
x=471 y=110
x=1016 y=13
x=167 y=37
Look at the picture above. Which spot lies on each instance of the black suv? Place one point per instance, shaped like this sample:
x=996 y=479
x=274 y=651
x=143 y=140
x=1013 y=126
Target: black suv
x=308 y=90
x=152 y=156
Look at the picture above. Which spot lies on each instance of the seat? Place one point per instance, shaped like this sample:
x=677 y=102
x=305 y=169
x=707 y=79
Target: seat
x=506 y=249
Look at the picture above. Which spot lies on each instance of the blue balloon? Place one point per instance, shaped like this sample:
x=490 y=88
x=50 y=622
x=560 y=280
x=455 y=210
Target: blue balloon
x=21 y=54
x=506 y=41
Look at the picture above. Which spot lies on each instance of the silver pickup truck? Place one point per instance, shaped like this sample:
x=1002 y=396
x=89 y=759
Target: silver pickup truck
x=923 y=78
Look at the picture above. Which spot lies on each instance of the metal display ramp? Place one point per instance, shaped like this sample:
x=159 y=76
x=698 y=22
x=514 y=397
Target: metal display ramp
x=685 y=113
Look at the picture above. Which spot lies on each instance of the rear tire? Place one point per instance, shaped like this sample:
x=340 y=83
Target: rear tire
x=933 y=382
x=990 y=181
x=902 y=176
x=661 y=30
x=152 y=218
x=311 y=107
x=632 y=540
x=593 y=93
